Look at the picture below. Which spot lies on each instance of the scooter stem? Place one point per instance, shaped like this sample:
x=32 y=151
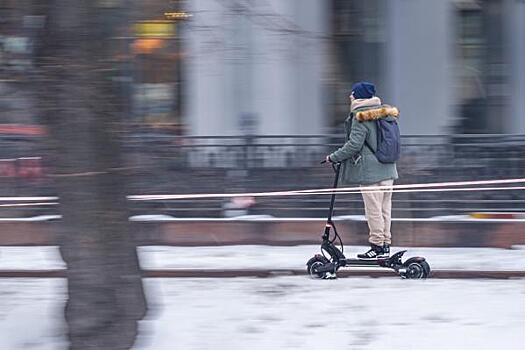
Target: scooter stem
x=337 y=168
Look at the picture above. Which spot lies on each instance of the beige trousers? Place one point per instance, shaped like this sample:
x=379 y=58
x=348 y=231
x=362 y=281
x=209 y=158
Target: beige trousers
x=378 y=207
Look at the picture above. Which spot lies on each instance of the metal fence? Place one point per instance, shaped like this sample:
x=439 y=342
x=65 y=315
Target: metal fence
x=289 y=162
x=168 y=164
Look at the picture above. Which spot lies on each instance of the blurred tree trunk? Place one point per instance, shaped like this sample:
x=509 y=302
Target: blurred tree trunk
x=81 y=108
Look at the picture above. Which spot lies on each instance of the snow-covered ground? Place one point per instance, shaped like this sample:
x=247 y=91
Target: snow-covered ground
x=295 y=257
x=292 y=312
x=266 y=257
x=31 y=258
x=31 y=313
x=289 y=313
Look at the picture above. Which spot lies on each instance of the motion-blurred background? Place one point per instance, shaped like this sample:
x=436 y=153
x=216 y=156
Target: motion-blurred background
x=104 y=99
x=222 y=96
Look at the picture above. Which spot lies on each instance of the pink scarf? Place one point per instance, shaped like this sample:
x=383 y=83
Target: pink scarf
x=365 y=102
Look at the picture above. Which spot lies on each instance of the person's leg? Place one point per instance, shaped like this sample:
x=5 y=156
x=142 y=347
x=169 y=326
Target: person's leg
x=386 y=209
x=374 y=216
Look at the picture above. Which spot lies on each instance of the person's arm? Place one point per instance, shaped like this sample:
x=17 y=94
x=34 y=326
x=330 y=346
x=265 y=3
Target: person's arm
x=354 y=144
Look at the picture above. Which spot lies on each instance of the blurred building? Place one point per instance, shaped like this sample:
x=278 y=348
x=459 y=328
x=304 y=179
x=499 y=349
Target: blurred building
x=281 y=67
x=451 y=66
x=155 y=76
x=286 y=66
x=257 y=67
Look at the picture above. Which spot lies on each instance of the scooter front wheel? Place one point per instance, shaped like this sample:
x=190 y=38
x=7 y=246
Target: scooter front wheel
x=313 y=265
x=417 y=270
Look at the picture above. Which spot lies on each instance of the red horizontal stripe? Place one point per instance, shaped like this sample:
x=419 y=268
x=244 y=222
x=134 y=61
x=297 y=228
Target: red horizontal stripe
x=21 y=129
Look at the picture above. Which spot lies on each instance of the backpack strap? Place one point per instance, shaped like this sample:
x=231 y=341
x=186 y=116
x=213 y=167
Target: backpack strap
x=367 y=144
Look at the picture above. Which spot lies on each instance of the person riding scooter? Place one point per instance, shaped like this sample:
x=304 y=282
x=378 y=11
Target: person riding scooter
x=360 y=164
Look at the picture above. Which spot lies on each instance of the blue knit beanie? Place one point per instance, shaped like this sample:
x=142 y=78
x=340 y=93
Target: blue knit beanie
x=363 y=89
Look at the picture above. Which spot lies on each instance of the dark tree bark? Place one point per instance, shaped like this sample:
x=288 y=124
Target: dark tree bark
x=81 y=108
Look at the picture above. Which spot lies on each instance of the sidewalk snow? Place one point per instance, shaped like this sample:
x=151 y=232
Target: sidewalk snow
x=295 y=257
x=31 y=258
x=293 y=312
x=31 y=313
x=354 y=313
x=267 y=257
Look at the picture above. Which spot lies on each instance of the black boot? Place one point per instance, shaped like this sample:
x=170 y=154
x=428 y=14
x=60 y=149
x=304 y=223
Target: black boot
x=386 y=250
x=375 y=251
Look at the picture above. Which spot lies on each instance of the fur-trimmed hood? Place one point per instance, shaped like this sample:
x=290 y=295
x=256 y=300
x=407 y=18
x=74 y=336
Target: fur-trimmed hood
x=376 y=113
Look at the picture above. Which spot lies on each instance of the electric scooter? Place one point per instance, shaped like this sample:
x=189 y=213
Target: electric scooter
x=325 y=265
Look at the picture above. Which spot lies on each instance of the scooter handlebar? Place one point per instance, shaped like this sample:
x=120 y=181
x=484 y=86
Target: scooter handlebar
x=324 y=161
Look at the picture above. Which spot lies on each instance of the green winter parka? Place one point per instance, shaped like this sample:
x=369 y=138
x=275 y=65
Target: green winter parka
x=359 y=165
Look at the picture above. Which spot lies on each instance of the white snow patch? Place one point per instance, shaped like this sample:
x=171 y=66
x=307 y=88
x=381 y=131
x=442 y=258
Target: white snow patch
x=31 y=314
x=152 y=218
x=266 y=257
x=352 y=313
x=31 y=258
x=269 y=218
x=32 y=218
x=288 y=313
x=295 y=257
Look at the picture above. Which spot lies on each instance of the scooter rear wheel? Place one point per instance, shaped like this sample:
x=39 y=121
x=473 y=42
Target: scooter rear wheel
x=314 y=263
x=417 y=270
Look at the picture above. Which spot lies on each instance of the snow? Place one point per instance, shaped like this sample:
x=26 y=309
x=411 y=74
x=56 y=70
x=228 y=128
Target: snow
x=292 y=312
x=295 y=257
x=352 y=313
x=31 y=314
x=269 y=218
x=284 y=312
x=266 y=257
x=31 y=258
x=157 y=217
x=32 y=218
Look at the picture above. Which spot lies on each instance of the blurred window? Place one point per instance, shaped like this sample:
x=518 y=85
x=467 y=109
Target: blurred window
x=359 y=38
x=471 y=48
x=156 y=72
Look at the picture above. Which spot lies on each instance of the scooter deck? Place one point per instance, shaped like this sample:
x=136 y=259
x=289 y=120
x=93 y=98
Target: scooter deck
x=365 y=262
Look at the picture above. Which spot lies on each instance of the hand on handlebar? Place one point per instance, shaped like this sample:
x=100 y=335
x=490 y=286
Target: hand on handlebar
x=326 y=160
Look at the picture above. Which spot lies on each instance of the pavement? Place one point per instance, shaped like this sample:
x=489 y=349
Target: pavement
x=268 y=261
